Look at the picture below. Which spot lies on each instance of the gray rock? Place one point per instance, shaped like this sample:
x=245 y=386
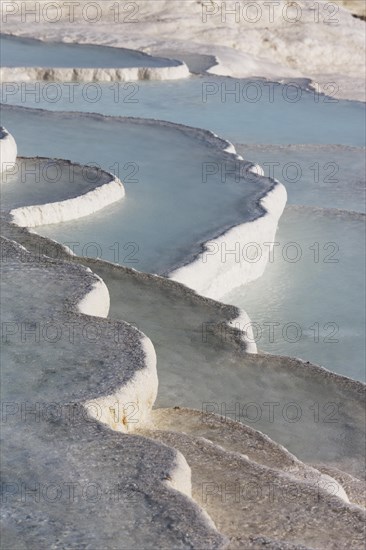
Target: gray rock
x=68 y=480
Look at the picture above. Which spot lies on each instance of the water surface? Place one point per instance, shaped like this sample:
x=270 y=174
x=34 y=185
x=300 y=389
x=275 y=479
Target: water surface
x=170 y=208
x=330 y=176
x=257 y=111
x=28 y=52
x=310 y=301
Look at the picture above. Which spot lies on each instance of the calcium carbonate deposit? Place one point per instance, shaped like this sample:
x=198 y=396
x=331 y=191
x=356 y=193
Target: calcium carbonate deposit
x=182 y=220
x=8 y=150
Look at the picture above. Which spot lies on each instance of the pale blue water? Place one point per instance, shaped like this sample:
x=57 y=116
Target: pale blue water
x=206 y=102
x=313 y=290
x=315 y=175
x=38 y=181
x=197 y=367
x=27 y=52
x=313 y=119
x=169 y=208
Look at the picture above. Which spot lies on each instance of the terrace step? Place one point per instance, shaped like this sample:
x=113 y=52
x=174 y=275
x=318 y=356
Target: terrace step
x=264 y=497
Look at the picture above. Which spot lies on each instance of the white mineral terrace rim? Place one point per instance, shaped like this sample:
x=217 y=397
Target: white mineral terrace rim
x=207 y=273
x=212 y=277
x=101 y=74
x=108 y=192
x=8 y=149
x=128 y=74
x=142 y=389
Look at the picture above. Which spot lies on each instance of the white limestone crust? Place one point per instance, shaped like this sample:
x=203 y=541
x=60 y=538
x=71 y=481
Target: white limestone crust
x=8 y=149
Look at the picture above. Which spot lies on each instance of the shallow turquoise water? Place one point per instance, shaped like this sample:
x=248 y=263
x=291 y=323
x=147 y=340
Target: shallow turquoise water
x=315 y=175
x=38 y=181
x=27 y=52
x=258 y=112
x=169 y=208
x=331 y=178
x=310 y=301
